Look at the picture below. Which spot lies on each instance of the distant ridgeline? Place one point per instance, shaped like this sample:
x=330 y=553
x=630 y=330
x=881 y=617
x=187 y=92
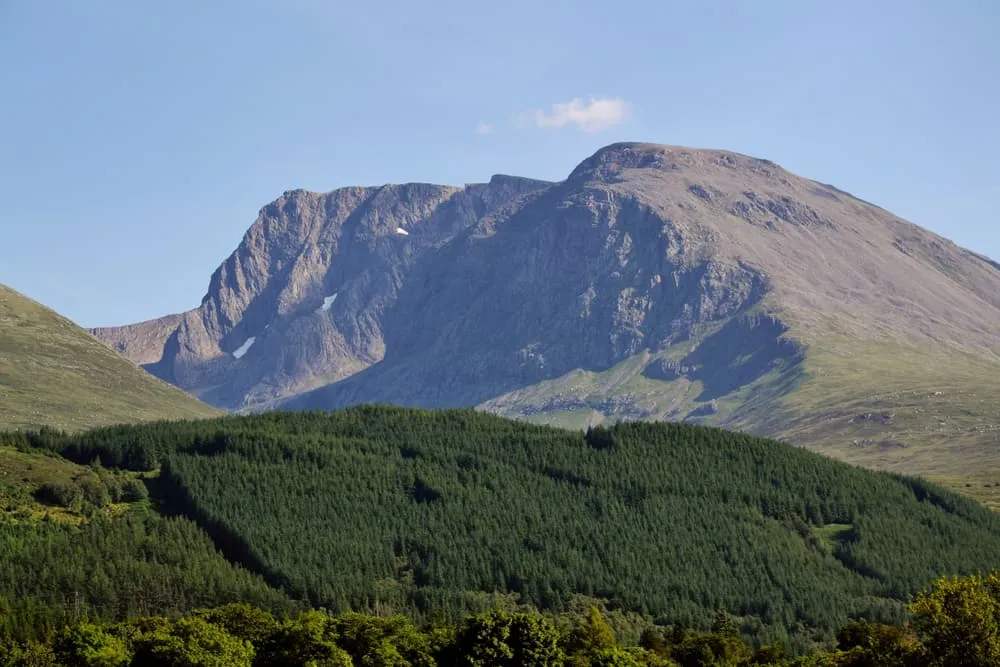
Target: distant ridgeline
x=438 y=514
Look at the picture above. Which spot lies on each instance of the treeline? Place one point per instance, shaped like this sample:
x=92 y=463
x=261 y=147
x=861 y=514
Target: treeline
x=423 y=513
x=957 y=622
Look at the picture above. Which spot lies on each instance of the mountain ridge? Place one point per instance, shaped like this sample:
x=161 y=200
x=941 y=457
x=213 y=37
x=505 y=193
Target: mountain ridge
x=549 y=300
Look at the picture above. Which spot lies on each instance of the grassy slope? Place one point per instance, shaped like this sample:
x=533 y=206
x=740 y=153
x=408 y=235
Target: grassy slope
x=922 y=411
x=580 y=398
x=52 y=373
x=21 y=474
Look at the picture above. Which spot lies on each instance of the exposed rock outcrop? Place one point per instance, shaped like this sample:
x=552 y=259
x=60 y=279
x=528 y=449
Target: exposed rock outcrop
x=440 y=296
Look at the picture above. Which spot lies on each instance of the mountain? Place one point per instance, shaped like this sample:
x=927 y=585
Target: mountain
x=655 y=282
x=302 y=301
x=52 y=373
x=445 y=512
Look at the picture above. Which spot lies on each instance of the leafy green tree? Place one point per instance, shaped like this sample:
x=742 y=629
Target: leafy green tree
x=94 y=490
x=393 y=641
x=28 y=654
x=89 y=645
x=869 y=644
x=592 y=637
x=193 y=642
x=615 y=657
x=770 y=654
x=834 y=659
x=723 y=624
x=652 y=639
x=501 y=639
x=715 y=650
x=309 y=639
x=242 y=620
x=958 y=621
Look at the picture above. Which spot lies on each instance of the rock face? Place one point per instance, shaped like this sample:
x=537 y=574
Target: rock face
x=302 y=301
x=705 y=270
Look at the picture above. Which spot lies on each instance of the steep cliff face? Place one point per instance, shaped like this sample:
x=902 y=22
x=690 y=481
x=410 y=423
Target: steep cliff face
x=301 y=301
x=572 y=279
x=654 y=282
x=647 y=248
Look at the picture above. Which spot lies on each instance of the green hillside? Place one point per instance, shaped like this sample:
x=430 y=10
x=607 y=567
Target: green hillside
x=81 y=542
x=435 y=512
x=917 y=410
x=52 y=373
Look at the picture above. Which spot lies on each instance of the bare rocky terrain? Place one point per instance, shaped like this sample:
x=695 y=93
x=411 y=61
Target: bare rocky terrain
x=654 y=282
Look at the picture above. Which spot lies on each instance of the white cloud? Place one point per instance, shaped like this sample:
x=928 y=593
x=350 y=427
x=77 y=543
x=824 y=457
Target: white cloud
x=485 y=128
x=591 y=115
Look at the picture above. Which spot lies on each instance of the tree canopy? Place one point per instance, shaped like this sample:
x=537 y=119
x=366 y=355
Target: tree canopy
x=422 y=513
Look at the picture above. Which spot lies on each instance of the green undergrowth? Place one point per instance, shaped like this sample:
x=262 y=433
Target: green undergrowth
x=37 y=486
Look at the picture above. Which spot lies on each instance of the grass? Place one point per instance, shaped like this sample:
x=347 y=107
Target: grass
x=53 y=373
x=832 y=532
x=932 y=412
x=22 y=474
x=916 y=410
x=580 y=398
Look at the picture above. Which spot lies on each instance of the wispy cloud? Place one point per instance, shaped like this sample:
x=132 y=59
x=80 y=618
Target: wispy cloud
x=591 y=115
x=485 y=128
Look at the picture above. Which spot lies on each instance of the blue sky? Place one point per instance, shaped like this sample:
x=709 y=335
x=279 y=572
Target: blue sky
x=139 y=140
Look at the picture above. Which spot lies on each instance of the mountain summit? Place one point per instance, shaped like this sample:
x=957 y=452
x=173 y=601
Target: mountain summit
x=654 y=282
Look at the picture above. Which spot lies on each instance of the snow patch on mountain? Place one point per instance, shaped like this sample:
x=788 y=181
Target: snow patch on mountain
x=242 y=349
x=327 y=303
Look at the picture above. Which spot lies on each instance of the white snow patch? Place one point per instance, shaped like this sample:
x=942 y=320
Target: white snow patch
x=402 y=232
x=242 y=349
x=327 y=303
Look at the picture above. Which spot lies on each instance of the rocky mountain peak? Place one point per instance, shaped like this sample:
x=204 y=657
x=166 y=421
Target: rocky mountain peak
x=434 y=295
x=615 y=162
x=609 y=162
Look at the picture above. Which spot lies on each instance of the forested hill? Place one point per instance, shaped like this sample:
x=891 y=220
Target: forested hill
x=429 y=513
